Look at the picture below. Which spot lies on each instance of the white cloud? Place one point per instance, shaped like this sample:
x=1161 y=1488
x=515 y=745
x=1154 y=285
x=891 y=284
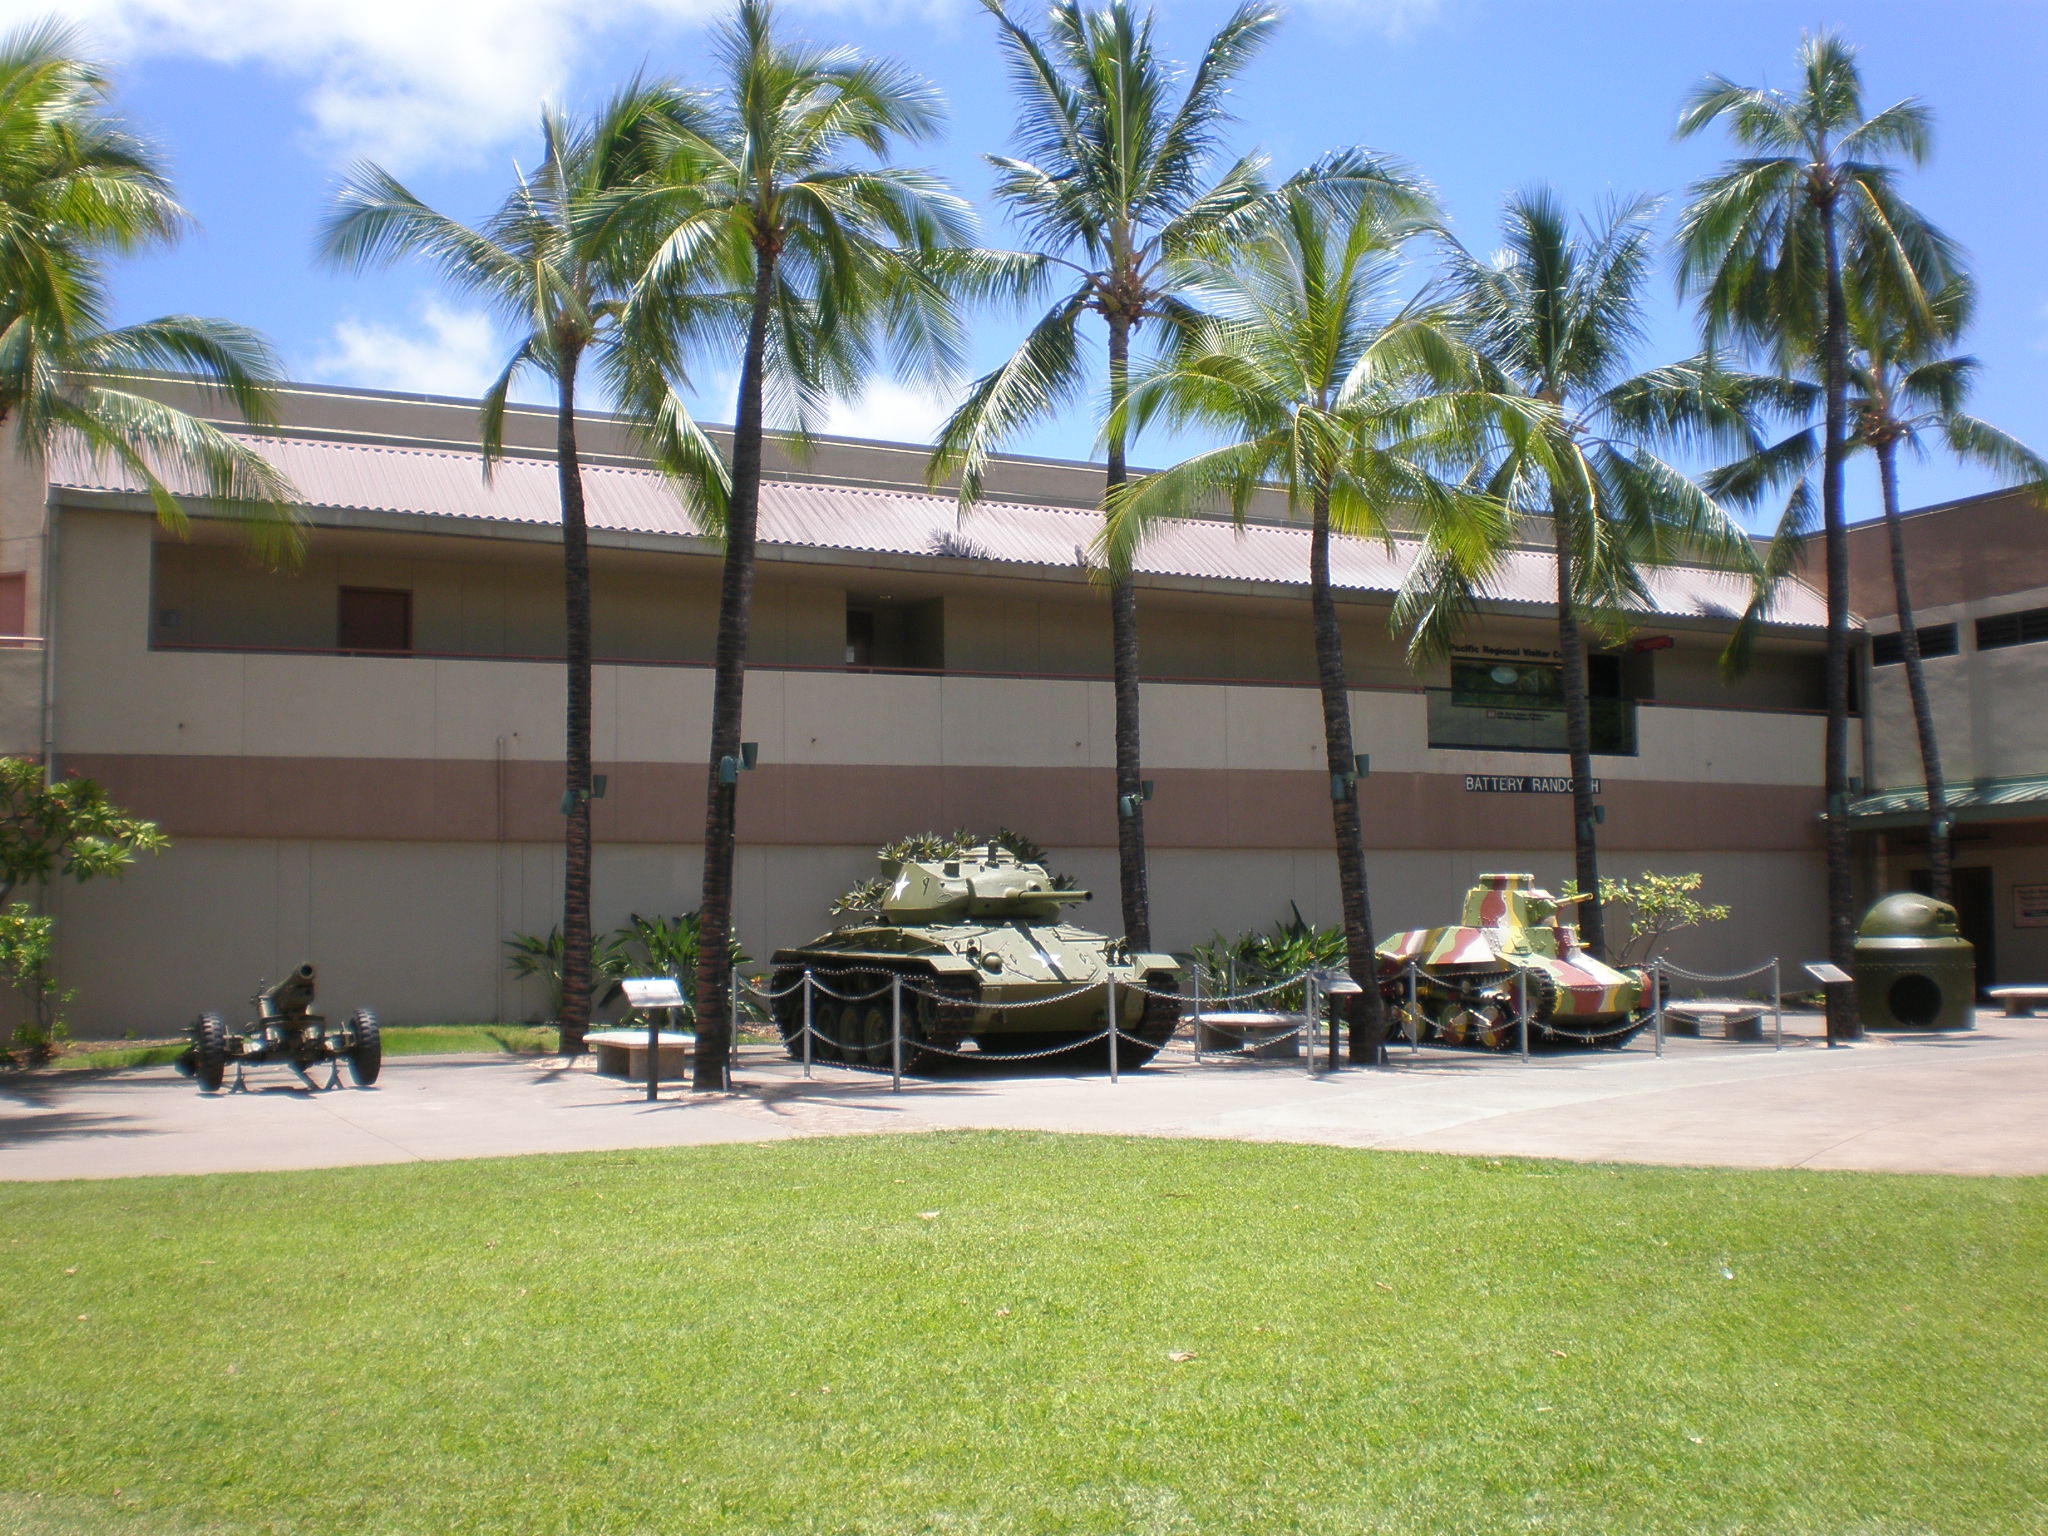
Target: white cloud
x=890 y=413
x=405 y=82
x=1393 y=18
x=449 y=352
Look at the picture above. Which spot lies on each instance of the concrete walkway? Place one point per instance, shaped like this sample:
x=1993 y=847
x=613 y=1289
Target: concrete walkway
x=1965 y=1103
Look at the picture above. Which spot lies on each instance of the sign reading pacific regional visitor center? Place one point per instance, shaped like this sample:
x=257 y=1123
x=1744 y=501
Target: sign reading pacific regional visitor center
x=1519 y=784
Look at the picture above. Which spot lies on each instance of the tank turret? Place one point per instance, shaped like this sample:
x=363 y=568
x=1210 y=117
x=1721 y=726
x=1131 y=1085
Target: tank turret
x=975 y=942
x=980 y=883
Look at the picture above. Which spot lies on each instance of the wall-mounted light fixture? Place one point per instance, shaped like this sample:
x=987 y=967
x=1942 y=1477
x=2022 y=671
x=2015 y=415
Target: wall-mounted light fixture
x=1127 y=805
x=1340 y=783
x=595 y=792
x=729 y=767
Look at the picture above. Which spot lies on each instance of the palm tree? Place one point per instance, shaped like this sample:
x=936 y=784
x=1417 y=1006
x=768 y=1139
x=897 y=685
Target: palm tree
x=1905 y=387
x=1325 y=387
x=1559 y=313
x=1112 y=191
x=1763 y=244
x=77 y=187
x=1908 y=388
x=560 y=275
x=819 y=265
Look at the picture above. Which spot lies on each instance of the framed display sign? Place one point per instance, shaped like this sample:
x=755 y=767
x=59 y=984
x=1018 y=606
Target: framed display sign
x=2030 y=906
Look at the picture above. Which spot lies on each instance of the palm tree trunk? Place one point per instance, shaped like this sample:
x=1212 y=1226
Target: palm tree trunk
x=1940 y=848
x=1578 y=731
x=711 y=1070
x=574 y=1022
x=1367 y=1015
x=1843 y=1023
x=1123 y=632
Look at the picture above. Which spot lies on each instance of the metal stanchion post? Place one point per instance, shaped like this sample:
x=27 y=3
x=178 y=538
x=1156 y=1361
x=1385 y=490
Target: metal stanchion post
x=1522 y=1010
x=1198 y=1013
x=1325 y=1002
x=1310 y=1013
x=807 y=1026
x=1777 y=1007
x=1109 y=1014
x=895 y=1034
x=1657 y=1000
x=732 y=1053
x=1414 y=1014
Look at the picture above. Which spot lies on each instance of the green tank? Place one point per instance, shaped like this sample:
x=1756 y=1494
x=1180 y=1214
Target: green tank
x=971 y=934
x=1513 y=943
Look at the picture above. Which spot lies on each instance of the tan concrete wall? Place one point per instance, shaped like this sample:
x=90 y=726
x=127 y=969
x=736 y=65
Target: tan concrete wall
x=1985 y=704
x=415 y=929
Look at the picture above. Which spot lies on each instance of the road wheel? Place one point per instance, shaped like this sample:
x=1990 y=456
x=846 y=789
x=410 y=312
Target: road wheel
x=209 y=1052
x=875 y=1032
x=366 y=1056
x=825 y=1026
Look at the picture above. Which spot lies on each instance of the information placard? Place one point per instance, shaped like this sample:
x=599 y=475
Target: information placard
x=2030 y=906
x=652 y=992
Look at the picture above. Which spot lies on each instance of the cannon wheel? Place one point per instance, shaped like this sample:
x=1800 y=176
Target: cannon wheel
x=209 y=1052
x=366 y=1056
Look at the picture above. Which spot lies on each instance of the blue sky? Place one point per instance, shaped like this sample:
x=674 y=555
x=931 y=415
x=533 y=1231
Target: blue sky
x=260 y=105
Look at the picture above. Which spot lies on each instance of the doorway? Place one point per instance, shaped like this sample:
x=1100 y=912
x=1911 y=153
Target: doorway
x=1976 y=915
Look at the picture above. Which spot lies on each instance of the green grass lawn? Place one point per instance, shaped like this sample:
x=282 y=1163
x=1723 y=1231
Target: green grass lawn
x=399 y=1040
x=964 y=1334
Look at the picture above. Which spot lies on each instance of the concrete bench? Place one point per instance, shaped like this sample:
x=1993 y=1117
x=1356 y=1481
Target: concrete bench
x=1731 y=1021
x=1252 y=1034
x=623 y=1053
x=2019 y=1002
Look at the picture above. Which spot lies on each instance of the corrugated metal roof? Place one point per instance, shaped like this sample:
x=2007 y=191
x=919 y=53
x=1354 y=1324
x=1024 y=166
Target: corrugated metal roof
x=441 y=483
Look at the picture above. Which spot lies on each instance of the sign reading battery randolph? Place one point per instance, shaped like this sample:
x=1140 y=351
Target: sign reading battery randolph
x=1519 y=784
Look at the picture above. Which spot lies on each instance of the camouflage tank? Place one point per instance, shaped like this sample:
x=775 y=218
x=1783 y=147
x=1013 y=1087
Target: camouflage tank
x=1470 y=977
x=979 y=927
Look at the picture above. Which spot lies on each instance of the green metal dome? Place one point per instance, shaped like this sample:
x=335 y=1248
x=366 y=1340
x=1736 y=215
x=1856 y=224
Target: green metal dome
x=1909 y=916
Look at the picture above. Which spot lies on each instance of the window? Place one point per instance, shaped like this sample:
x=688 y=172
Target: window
x=374 y=619
x=860 y=637
x=13 y=606
x=1935 y=640
x=2027 y=627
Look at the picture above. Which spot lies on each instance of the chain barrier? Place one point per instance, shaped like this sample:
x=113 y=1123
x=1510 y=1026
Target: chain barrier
x=995 y=1007
x=1206 y=998
x=940 y=1050
x=853 y=997
x=1666 y=968
x=769 y=994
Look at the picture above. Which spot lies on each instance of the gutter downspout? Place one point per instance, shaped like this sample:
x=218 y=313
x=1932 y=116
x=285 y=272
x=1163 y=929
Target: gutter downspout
x=48 y=620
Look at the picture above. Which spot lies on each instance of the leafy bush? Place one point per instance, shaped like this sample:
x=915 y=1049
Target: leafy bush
x=1258 y=958
x=1656 y=906
x=68 y=830
x=27 y=950
x=539 y=956
x=646 y=946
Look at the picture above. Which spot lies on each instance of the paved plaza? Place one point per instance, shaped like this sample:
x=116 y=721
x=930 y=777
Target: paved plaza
x=1974 y=1102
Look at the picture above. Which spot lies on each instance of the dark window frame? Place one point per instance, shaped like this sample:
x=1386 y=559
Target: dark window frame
x=342 y=637
x=2025 y=626
x=1936 y=640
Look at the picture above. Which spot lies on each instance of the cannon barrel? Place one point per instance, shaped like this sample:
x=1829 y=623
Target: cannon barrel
x=288 y=998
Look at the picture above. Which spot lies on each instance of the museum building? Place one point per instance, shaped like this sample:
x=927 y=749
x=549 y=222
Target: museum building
x=358 y=759
x=1978 y=571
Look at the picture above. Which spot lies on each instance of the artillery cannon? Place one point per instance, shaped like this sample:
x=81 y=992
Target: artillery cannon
x=977 y=940
x=1513 y=949
x=285 y=1030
